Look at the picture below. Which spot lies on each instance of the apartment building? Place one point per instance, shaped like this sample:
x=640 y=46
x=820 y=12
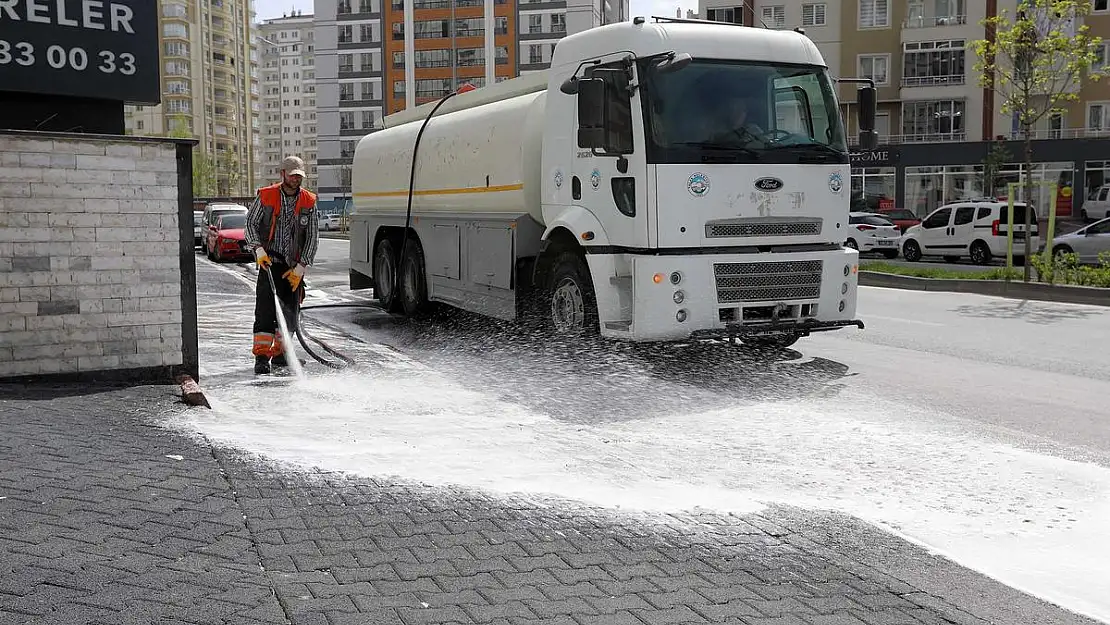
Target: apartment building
x=210 y=88
x=449 y=47
x=287 y=48
x=350 y=98
x=543 y=23
x=936 y=123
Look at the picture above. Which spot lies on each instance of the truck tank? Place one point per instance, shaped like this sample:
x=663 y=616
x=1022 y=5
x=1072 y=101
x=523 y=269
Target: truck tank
x=481 y=153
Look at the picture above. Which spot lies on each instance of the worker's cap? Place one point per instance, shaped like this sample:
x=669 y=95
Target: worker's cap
x=293 y=166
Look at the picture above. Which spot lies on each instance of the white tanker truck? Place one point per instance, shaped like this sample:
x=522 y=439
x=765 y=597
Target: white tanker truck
x=661 y=181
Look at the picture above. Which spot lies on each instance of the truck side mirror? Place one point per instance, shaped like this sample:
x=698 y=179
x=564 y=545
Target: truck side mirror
x=591 y=112
x=868 y=98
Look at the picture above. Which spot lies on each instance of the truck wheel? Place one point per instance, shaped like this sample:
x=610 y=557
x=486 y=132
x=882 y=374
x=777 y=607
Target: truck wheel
x=414 y=285
x=385 y=276
x=572 y=305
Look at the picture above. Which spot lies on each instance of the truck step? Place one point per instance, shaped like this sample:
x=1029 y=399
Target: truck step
x=623 y=326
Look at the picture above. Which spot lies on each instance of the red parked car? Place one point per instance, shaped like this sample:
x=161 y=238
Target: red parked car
x=226 y=238
x=902 y=217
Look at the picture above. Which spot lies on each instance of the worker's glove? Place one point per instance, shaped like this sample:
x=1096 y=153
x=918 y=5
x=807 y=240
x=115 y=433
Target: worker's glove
x=262 y=258
x=294 y=276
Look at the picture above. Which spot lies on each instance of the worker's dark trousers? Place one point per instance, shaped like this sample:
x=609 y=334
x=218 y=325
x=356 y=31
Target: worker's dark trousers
x=267 y=332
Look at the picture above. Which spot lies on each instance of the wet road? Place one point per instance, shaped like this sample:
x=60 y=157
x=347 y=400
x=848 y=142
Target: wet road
x=974 y=425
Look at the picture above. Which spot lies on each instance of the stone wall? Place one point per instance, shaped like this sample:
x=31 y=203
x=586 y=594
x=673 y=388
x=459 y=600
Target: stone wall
x=93 y=270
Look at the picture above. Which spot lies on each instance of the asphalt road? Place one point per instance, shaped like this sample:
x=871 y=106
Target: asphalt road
x=976 y=426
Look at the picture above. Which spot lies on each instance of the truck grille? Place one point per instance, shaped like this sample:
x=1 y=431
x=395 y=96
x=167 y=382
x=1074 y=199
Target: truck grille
x=768 y=281
x=762 y=228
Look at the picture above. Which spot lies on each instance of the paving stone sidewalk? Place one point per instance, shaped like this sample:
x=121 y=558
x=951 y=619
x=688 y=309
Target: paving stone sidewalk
x=107 y=518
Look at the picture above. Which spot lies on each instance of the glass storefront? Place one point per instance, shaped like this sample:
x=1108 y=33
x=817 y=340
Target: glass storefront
x=928 y=188
x=1097 y=174
x=873 y=188
x=1061 y=174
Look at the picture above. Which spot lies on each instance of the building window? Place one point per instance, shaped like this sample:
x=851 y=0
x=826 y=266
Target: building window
x=368 y=91
x=813 y=14
x=558 y=22
x=347 y=120
x=343 y=8
x=368 y=120
x=933 y=120
x=535 y=54
x=1101 y=60
x=346 y=34
x=730 y=15
x=774 y=16
x=873 y=188
x=1098 y=116
x=876 y=67
x=535 y=24
x=1101 y=5
x=346 y=62
x=366 y=33
x=874 y=13
x=933 y=63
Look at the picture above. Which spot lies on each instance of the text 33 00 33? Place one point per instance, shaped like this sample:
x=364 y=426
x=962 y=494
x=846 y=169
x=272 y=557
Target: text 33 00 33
x=58 y=57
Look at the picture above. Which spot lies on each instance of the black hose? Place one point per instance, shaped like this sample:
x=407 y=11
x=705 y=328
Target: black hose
x=412 y=182
x=299 y=331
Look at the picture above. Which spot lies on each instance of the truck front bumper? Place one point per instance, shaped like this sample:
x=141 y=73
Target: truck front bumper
x=680 y=297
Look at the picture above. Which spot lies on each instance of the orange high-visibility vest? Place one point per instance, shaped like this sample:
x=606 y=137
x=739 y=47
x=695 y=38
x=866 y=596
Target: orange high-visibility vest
x=306 y=201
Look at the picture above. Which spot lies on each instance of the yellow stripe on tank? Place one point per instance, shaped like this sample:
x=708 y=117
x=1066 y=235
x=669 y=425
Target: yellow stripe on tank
x=492 y=189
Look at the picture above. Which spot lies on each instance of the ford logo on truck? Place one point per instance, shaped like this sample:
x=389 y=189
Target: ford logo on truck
x=768 y=184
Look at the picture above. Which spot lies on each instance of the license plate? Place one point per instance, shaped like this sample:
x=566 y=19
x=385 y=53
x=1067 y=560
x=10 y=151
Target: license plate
x=886 y=243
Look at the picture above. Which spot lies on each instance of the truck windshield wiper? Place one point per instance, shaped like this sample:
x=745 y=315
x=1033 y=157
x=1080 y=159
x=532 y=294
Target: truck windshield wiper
x=718 y=147
x=815 y=147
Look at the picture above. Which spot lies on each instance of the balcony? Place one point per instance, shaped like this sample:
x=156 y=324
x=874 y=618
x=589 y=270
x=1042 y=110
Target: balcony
x=939 y=137
x=933 y=81
x=934 y=21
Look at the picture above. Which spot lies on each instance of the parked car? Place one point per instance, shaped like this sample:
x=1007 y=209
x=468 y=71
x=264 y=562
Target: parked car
x=901 y=217
x=972 y=228
x=1087 y=242
x=330 y=222
x=226 y=239
x=870 y=232
x=211 y=213
x=198 y=227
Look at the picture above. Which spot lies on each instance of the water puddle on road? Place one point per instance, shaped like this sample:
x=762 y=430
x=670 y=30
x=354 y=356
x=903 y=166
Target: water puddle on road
x=1033 y=521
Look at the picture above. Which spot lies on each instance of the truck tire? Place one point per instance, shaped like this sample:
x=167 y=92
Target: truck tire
x=571 y=308
x=414 y=284
x=385 y=276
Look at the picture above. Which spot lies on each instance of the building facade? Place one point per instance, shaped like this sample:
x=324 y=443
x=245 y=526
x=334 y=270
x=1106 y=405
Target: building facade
x=210 y=89
x=286 y=46
x=938 y=127
x=350 y=97
x=448 y=47
x=543 y=23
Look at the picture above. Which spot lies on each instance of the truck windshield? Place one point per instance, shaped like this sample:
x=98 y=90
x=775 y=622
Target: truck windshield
x=740 y=112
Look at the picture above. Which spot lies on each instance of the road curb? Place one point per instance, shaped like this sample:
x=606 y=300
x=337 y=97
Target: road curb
x=999 y=288
x=191 y=393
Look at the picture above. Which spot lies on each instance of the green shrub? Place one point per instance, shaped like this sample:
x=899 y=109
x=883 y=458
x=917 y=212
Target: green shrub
x=1065 y=269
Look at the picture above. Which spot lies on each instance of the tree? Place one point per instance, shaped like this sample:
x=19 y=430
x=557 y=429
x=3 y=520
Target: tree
x=1035 y=62
x=997 y=157
x=229 y=164
x=204 y=172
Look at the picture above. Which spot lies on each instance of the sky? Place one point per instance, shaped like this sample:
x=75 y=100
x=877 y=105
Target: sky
x=267 y=9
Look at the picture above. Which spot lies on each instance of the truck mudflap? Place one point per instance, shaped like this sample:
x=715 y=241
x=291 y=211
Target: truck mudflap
x=774 y=328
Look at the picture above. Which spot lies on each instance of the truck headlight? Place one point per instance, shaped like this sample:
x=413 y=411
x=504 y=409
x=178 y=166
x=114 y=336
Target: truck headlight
x=679 y=297
x=676 y=277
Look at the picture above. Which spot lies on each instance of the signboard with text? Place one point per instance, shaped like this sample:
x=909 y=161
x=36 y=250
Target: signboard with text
x=104 y=49
x=880 y=157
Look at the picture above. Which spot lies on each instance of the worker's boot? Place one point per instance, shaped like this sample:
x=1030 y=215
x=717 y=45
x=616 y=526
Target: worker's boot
x=261 y=365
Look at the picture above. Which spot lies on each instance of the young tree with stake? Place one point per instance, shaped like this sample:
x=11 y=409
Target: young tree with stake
x=1036 y=62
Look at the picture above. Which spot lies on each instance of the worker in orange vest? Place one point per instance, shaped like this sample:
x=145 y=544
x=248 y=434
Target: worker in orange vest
x=284 y=234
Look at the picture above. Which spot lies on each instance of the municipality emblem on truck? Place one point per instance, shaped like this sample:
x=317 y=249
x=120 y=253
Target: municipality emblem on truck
x=697 y=184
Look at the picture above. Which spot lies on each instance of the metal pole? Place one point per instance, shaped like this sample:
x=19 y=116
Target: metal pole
x=410 y=55
x=491 y=60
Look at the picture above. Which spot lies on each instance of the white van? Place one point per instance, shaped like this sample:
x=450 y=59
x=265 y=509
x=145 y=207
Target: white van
x=974 y=229
x=1097 y=204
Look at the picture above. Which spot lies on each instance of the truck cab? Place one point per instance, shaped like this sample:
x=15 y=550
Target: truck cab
x=704 y=169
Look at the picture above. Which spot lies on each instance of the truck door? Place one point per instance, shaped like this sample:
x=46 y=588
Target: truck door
x=615 y=190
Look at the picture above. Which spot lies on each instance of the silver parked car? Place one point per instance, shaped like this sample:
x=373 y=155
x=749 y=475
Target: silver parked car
x=1087 y=242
